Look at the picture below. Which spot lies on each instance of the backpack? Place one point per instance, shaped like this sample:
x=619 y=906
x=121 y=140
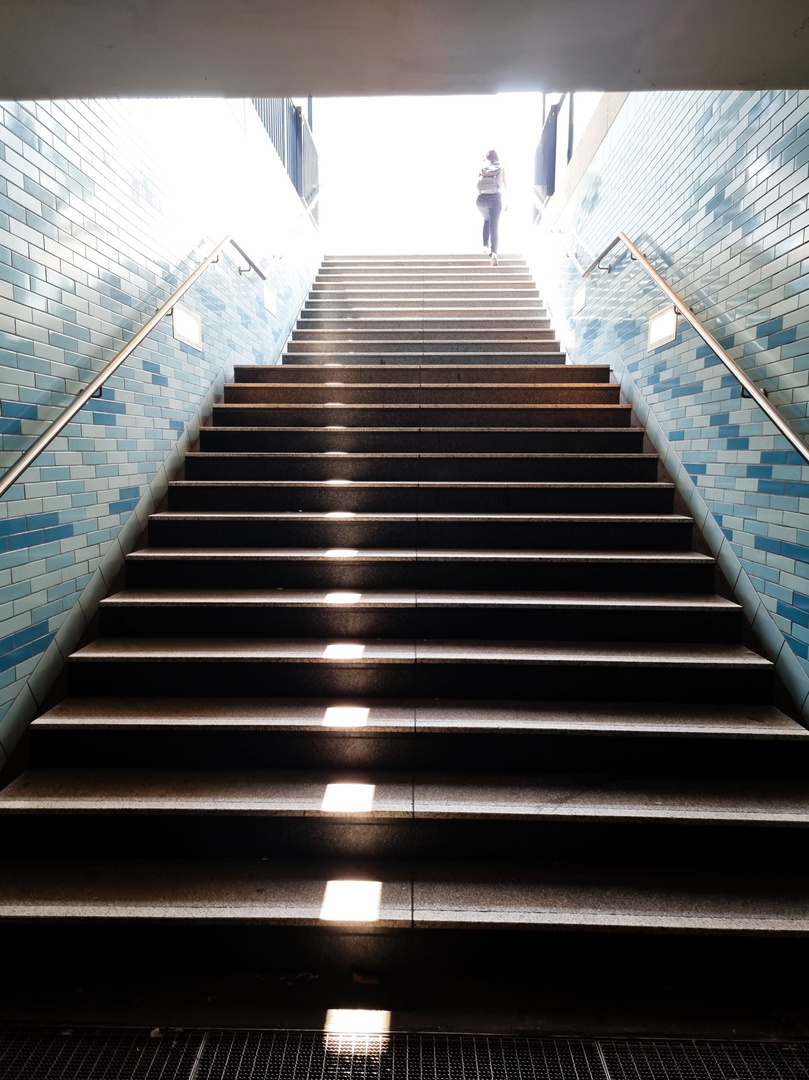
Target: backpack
x=489 y=179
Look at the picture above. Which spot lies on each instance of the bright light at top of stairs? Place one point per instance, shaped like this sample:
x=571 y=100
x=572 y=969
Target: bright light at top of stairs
x=352 y=901
x=342 y=650
x=348 y=798
x=346 y=716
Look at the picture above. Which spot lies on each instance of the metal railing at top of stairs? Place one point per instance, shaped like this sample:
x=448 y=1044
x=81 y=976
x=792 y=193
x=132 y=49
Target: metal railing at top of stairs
x=93 y=388
x=748 y=386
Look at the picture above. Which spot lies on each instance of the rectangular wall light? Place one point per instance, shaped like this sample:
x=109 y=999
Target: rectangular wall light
x=186 y=326
x=662 y=327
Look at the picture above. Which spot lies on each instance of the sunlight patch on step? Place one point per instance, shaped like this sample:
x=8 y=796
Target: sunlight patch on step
x=351 y=901
x=343 y=597
x=348 y=798
x=346 y=716
x=357 y=1031
x=343 y=650
x=342 y=553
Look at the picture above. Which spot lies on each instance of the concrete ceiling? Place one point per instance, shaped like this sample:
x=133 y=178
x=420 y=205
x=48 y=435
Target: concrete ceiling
x=242 y=48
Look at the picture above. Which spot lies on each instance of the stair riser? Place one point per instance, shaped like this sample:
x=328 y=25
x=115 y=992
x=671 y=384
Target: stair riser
x=263 y=393
x=416 y=574
x=464 y=622
x=526 y=536
x=243 y=836
x=382 y=373
x=392 y=344
x=526 y=332
x=422 y=416
x=550 y=681
x=414 y=441
x=631 y=499
x=451 y=752
x=412 y=306
x=375 y=291
x=420 y=324
x=439 y=358
x=205 y=467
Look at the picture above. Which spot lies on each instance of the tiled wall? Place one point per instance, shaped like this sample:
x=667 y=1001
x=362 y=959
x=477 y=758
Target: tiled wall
x=714 y=190
x=105 y=207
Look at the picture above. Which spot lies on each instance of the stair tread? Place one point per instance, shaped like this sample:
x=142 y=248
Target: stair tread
x=297 y=793
x=360 y=516
x=427 y=387
x=398 y=555
x=351 y=455
x=692 y=720
x=408 y=598
x=387 y=485
x=381 y=651
x=463 y=895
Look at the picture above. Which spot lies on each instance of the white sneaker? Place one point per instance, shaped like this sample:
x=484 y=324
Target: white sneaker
x=486 y=251
x=494 y=259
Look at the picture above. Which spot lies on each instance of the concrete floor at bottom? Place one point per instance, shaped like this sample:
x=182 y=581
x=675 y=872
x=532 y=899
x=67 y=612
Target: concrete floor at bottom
x=580 y=998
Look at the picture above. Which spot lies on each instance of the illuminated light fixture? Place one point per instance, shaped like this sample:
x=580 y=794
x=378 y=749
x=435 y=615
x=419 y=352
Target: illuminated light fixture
x=342 y=553
x=357 y=1022
x=343 y=650
x=336 y=427
x=337 y=453
x=186 y=326
x=663 y=327
x=343 y=597
x=334 y=384
x=332 y=365
x=338 y=404
x=338 y=481
x=340 y=513
x=348 y=798
x=345 y=716
x=351 y=901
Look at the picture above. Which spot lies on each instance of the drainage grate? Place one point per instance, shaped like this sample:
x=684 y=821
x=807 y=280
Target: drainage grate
x=83 y=1054
x=289 y=1056
x=641 y=1059
x=65 y=1054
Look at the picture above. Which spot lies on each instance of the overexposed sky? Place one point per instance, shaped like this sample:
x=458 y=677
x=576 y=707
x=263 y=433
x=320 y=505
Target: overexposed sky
x=398 y=175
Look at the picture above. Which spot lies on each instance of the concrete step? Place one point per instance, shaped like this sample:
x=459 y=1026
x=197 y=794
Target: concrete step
x=416 y=373
x=430 y=394
x=430 y=307
x=410 y=815
x=584 y=532
x=396 y=416
x=379 y=357
x=657 y=738
x=616 y=671
x=414 y=467
x=402 y=613
x=485 y=329
x=469 y=322
x=497 y=343
x=352 y=568
x=401 y=496
x=458 y=440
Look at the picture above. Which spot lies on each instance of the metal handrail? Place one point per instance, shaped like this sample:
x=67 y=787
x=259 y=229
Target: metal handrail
x=747 y=384
x=47 y=437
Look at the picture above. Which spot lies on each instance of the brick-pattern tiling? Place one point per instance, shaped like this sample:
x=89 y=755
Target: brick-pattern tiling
x=714 y=189
x=90 y=247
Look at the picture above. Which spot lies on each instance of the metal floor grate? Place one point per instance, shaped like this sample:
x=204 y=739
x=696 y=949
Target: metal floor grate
x=85 y=1054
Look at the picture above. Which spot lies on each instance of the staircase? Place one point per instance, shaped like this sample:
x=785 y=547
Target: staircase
x=419 y=660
